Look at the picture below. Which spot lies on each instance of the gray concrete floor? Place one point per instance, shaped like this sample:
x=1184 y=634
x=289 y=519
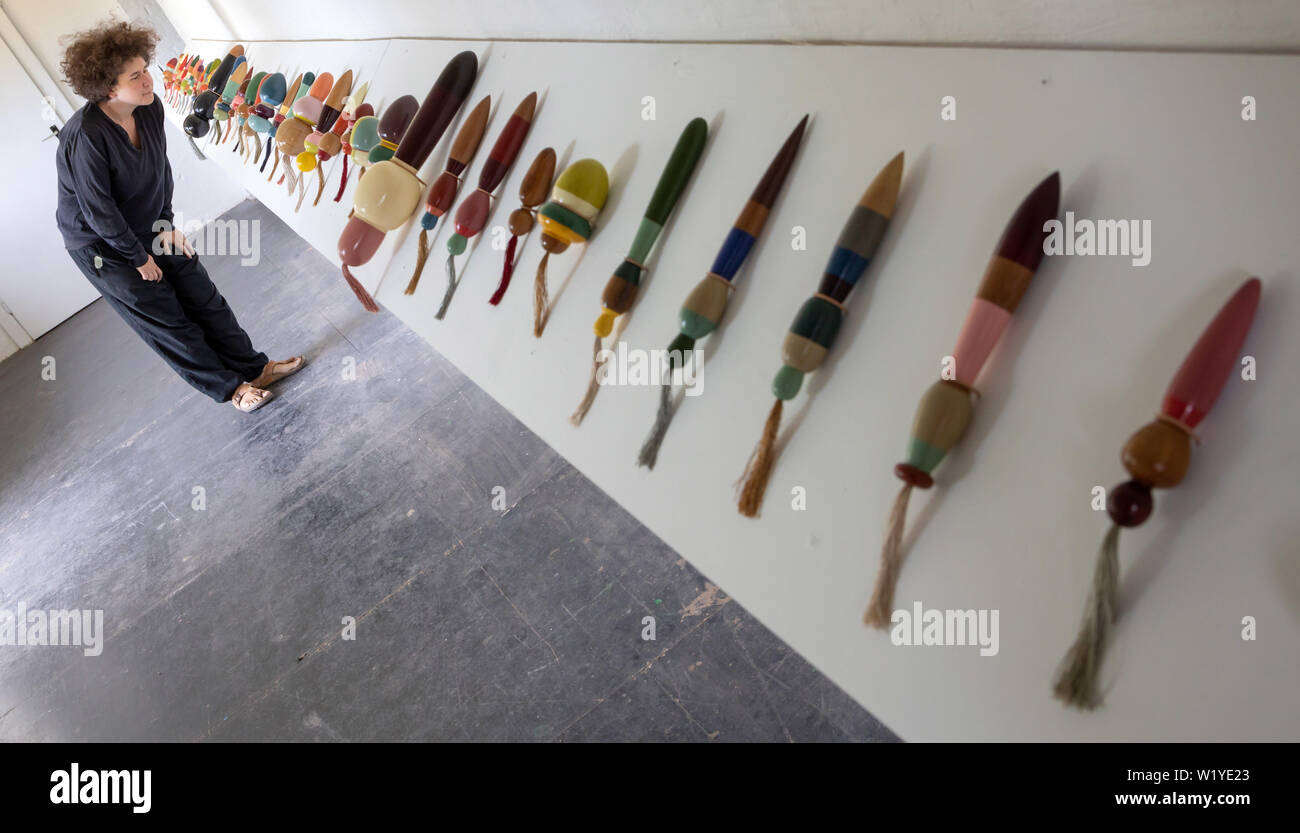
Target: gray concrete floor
x=369 y=498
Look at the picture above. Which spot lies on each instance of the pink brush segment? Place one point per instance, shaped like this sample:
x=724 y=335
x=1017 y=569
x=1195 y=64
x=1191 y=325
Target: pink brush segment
x=984 y=325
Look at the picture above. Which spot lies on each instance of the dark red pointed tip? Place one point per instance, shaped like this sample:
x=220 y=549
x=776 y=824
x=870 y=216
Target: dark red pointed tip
x=770 y=185
x=1022 y=241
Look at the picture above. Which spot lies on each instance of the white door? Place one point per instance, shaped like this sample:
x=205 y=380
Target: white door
x=39 y=283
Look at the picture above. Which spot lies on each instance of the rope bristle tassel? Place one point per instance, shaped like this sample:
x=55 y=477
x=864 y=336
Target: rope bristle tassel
x=320 y=184
x=541 y=299
x=506 y=271
x=257 y=150
x=880 y=609
x=302 y=191
x=273 y=166
x=1076 y=681
x=593 y=385
x=197 y=152
x=650 y=449
x=289 y=177
x=452 y=283
x=343 y=183
x=360 y=291
x=759 y=467
x=421 y=255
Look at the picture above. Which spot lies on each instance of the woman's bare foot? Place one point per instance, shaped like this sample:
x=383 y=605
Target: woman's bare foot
x=275 y=371
x=248 y=398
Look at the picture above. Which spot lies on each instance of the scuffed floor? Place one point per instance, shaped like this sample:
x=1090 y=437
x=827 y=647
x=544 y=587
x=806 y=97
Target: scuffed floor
x=227 y=549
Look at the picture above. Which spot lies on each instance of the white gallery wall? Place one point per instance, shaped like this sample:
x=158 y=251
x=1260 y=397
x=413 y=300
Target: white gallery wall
x=1010 y=526
x=1253 y=25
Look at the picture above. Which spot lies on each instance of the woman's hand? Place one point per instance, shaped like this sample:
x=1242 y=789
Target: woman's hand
x=174 y=241
x=150 y=271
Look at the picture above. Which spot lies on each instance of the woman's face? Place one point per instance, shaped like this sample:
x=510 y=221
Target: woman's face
x=134 y=84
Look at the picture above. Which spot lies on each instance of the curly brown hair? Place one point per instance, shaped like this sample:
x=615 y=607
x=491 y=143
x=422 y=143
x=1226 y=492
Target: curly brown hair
x=94 y=58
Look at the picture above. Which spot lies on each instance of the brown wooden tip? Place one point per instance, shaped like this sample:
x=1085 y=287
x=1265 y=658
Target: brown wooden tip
x=342 y=88
x=527 y=107
x=770 y=185
x=882 y=194
x=537 y=182
x=236 y=50
x=471 y=132
x=240 y=72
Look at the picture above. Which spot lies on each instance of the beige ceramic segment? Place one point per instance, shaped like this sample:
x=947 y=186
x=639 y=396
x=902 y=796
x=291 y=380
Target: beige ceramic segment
x=801 y=353
x=709 y=298
x=577 y=205
x=387 y=195
x=943 y=415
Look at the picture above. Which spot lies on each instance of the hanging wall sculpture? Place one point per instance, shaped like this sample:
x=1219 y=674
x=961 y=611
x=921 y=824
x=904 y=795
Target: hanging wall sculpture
x=534 y=188
x=390 y=193
x=443 y=191
x=296 y=89
x=1156 y=457
x=336 y=142
x=472 y=215
x=242 y=107
x=707 y=302
x=326 y=115
x=568 y=217
x=621 y=289
x=818 y=321
x=945 y=410
x=199 y=121
x=238 y=81
x=269 y=96
x=290 y=136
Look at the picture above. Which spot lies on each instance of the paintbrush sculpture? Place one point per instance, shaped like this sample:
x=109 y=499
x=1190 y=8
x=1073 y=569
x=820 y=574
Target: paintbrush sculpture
x=708 y=301
x=335 y=141
x=352 y=111
x=945 y=410
x=390 y=193
x=242 y=106
x=621 y=289
x=297 y=89
x=443 y=191
x=1157 y=457
x=532 y=191
x=325 y=116
x=818 y=321
x=364 y=116
x=290 y=136
x=568 y=217
x=472 y=215
x=269 y=96
x=237 y=83
x=198 y=122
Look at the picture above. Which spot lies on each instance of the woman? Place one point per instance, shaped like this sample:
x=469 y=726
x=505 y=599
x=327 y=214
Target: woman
x=114 y=184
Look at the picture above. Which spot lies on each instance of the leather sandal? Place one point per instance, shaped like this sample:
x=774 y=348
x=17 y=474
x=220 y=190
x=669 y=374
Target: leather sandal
x=275 y=371
x=249 y=399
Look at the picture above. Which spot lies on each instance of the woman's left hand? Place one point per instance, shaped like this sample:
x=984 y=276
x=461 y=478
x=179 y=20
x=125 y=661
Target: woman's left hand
x=174 y=242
